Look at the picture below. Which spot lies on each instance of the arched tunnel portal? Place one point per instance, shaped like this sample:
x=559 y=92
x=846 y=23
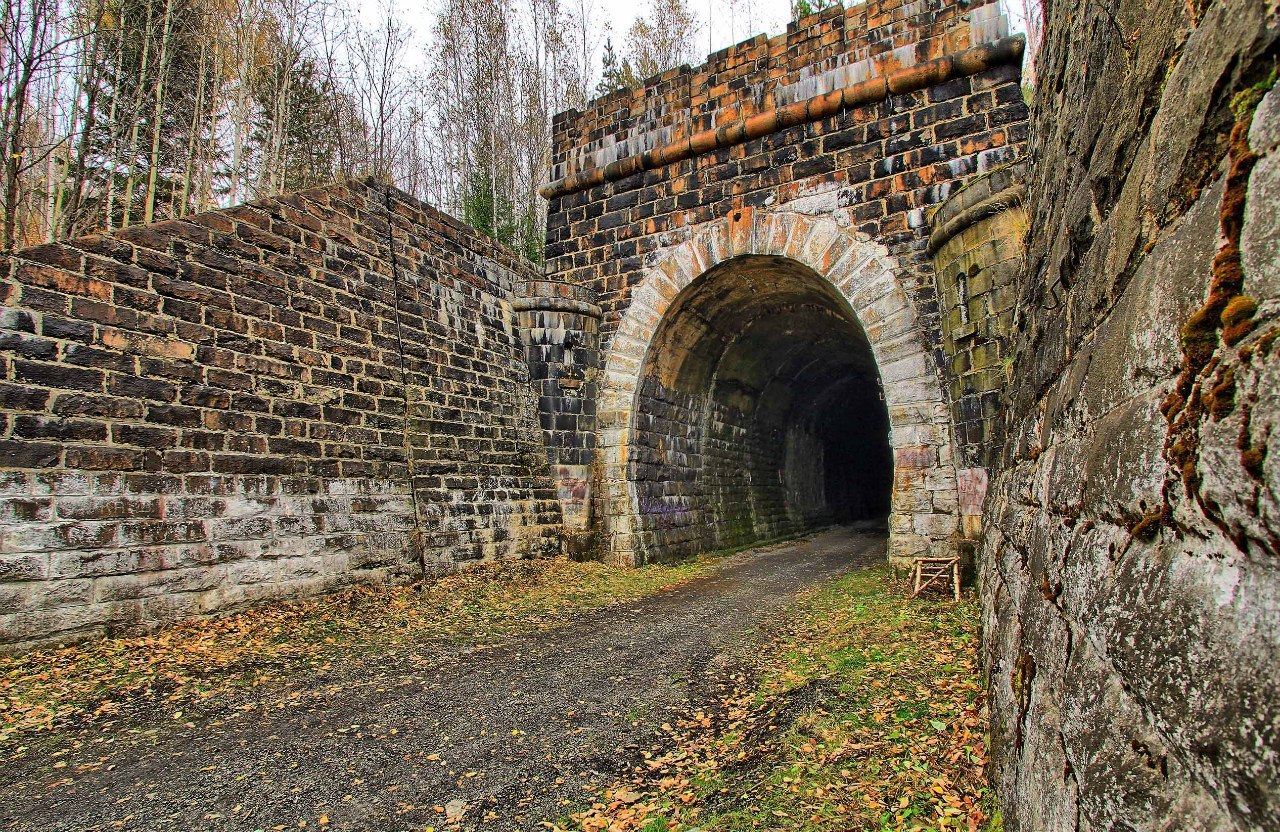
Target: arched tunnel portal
x=768 y=375
x=760 y=413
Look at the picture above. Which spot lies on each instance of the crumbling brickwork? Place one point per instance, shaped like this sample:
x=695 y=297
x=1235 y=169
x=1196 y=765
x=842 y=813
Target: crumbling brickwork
x=269 y=400
x=1129 y=562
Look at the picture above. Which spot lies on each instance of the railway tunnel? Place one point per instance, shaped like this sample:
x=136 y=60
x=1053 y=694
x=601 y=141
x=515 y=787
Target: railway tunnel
x=759 y=413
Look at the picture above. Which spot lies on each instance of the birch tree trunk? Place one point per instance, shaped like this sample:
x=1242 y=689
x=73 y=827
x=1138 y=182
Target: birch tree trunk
x=162 y=74
x=139 y=103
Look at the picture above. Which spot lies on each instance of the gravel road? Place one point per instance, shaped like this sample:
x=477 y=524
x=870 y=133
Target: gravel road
x=507 y=735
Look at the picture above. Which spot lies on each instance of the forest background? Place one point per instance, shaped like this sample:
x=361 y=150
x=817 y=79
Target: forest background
x=120 y=112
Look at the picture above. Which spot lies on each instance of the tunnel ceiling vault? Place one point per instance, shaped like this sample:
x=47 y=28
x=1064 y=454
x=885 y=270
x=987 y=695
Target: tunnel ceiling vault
x=745 y=316
x=737 y=435
x=763 y=334
x=802 y=327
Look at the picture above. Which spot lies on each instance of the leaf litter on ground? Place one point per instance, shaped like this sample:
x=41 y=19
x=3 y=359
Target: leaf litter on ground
x=863 y=712
x=71 y=686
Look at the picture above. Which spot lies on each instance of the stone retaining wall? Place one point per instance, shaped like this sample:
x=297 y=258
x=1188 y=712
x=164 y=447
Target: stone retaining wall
x=259 y=402
x=1130 y=585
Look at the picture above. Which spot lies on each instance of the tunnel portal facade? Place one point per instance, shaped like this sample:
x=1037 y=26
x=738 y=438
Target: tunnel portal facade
x=770 y=376
x=741 y=333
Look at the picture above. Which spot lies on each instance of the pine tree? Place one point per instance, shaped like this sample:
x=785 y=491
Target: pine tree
x=312 y=132
x=615 y=75
x=804 y=8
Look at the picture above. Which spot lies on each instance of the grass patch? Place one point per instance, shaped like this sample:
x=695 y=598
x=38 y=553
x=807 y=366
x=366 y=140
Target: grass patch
x=865 y=712
x=67 y=687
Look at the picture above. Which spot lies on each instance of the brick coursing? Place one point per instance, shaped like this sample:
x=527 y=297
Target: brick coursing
x=259 y=402
x=977 y=244
x=888 y=161
x=560 y=324
x=706 y=474
x=878 y=168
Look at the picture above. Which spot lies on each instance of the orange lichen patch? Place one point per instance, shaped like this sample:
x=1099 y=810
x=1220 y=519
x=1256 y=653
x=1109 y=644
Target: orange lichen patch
x=1265 y=343
x=1252 y=460
x=1172 y=403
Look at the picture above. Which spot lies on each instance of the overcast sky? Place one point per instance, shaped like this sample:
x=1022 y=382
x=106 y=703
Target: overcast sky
x=724 y=22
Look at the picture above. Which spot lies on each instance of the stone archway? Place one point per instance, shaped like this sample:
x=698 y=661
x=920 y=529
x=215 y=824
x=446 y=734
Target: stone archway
x=924 y=508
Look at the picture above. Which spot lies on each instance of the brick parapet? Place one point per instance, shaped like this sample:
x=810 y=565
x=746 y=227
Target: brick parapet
x=878 y=88
x=831 y=49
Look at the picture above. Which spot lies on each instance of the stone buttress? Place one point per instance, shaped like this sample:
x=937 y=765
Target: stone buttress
x=560 y=326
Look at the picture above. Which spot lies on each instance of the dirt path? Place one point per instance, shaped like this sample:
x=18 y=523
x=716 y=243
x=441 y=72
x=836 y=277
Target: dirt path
x=515 y=733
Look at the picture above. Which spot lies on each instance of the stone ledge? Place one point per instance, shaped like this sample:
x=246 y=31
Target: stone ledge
x=982 y=197
x=579 y=307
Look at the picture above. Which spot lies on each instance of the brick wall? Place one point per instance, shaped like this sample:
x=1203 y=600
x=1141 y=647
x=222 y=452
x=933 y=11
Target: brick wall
x=889 y=160
x=836 y=47
x=619 y=207
x=977 y=245
x=198 y=414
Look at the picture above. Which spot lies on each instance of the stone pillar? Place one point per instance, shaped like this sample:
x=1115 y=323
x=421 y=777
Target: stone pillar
x=560 y=327
x=976 y=245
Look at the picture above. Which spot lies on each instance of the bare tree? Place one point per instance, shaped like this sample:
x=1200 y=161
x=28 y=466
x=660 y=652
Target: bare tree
x=583 y=37
x=72 y=215
x=31 y=43
x=123 y=111
x=382 y=89
x=663 y=39
x=1027 y=16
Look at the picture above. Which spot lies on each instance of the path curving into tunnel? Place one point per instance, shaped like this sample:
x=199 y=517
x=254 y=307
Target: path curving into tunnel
x=760 y=413
x=770 y=374
x=382 y=740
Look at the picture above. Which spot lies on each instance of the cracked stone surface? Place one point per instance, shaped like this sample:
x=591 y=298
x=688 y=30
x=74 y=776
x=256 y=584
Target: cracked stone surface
x=1131 y=601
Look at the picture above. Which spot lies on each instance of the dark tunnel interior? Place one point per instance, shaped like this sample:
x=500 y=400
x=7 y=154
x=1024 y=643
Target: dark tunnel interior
x=760 y=413
x=858 y=469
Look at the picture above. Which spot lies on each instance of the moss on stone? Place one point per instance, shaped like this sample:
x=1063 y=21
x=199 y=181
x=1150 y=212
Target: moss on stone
x=1237 y=318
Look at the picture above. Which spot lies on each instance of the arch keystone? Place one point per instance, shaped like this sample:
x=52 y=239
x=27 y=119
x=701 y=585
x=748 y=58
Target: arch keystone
x=741 y=223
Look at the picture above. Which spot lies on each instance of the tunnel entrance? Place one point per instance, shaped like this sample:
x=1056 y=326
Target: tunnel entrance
x=759 y=412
